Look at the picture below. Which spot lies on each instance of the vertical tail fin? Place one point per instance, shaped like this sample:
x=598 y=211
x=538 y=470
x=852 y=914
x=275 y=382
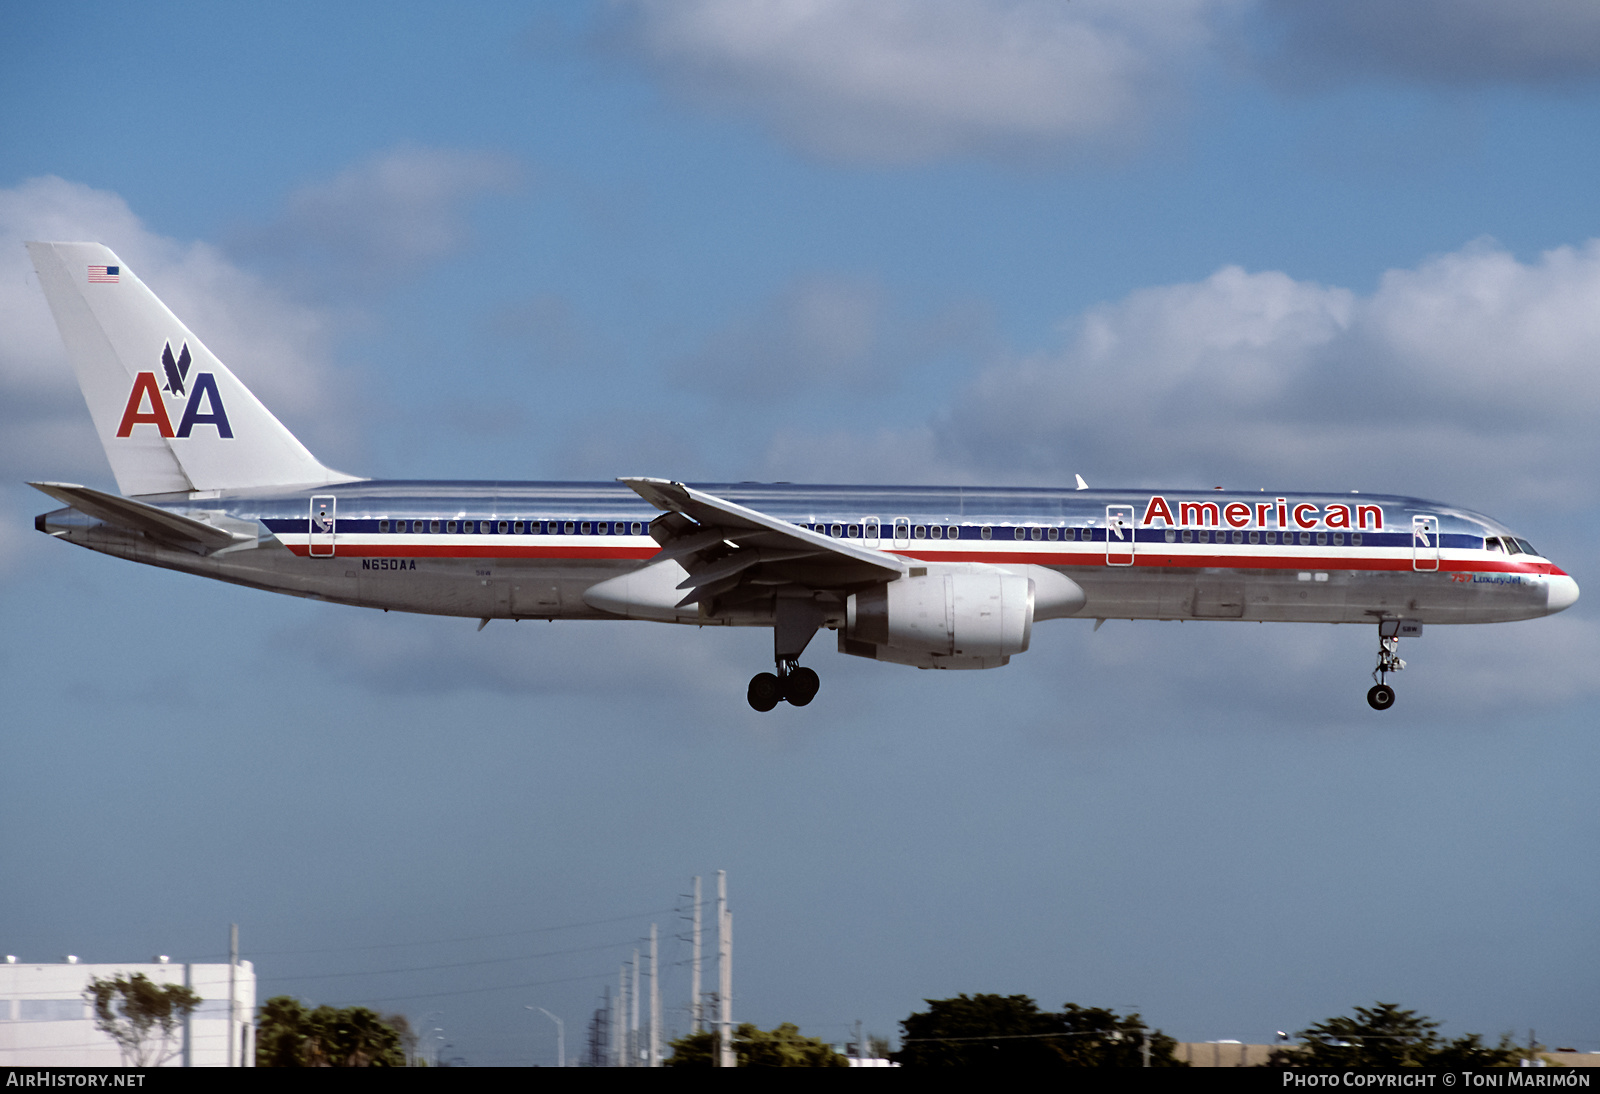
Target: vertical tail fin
x=171 y=416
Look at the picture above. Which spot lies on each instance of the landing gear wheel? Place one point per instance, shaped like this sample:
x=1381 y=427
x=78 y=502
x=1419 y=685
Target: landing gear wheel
x=1380 y=697
x=765 y=691
x=800 y=686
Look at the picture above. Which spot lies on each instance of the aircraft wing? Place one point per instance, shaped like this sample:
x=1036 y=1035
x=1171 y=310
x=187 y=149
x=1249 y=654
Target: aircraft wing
x=727 y=548
x=160 y=524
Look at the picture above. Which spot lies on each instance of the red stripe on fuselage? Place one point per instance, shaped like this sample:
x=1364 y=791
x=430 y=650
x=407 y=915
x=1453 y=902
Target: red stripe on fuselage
x=368 y=550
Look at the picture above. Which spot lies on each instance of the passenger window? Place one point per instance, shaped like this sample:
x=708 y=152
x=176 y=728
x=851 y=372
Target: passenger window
x=1188 y=536
x=1054 y=533
x=638 y=529
x=1238 y=537
x=855 y=531
x=955 y=532
x=1305 y=539
x=1203 y=536
x=986 y=532
x=1021 y=533
x=935 y=532
x=920 y=532
x=1322 y=539
x=584 y=528
x=1255 y=537
x=449 y=526
x=602 y=528
x=383 y=526
x=568 y=528
x=1338 y=539
x=1172 y=535
x=505 y=525
x=433 y=526
x=1355 y=539
x=1272 y=537
x=836 y=531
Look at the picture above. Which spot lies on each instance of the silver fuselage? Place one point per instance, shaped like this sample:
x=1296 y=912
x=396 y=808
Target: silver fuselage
x=531 y=550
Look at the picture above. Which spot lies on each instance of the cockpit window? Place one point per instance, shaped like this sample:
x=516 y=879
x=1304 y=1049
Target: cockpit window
x=1512 y=546
x=1493 y=544
x=1526 y=547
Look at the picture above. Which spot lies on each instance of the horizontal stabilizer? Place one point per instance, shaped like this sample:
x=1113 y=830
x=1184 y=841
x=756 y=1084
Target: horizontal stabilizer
x=138 y=517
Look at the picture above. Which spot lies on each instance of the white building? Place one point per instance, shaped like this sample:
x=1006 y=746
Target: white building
x=46 y=1021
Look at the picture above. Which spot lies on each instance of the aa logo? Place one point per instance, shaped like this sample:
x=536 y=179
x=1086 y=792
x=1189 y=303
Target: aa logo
x=203 y=405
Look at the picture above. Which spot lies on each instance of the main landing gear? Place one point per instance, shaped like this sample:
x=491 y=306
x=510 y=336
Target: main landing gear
x=1381 y=696
x=795 y=620
x=792 y=682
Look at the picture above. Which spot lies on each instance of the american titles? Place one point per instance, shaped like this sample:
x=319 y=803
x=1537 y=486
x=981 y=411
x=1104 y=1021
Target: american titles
x=1280 y=513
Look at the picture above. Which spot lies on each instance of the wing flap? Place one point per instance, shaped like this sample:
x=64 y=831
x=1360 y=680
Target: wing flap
x=730 y=520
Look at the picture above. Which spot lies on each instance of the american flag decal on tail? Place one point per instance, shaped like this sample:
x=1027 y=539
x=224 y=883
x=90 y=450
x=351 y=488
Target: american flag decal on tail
x=104 y=275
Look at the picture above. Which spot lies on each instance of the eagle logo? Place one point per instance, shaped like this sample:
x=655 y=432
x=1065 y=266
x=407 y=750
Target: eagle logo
x=177 y=371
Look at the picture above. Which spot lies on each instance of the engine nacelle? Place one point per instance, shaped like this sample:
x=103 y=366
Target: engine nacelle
x=942 y=620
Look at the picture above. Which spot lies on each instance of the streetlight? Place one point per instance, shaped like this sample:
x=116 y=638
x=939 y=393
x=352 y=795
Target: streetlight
x=561 y=1034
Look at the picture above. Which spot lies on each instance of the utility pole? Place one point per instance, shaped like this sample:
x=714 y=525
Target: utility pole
x=725 y=1054
x=655 y=1002
x=633 y=1042
x=619 y=1040
x=233 y=994
x=694 y=964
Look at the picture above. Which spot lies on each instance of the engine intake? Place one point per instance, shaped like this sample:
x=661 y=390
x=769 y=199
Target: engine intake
x=970 y=620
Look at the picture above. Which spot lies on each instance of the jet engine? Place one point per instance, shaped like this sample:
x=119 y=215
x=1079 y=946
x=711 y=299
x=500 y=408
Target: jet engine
x=948 y=618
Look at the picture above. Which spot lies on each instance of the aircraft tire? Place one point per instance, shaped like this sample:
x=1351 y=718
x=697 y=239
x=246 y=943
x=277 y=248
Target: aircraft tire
x=764 y=692
x=801 y=687
x=1380 y=697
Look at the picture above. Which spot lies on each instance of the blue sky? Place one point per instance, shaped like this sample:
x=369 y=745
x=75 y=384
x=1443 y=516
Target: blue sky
x=1186 y=242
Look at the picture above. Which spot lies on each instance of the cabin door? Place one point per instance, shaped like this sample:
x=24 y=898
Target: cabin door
x=1119 y=535
x=1424 y=543
x=322 y=525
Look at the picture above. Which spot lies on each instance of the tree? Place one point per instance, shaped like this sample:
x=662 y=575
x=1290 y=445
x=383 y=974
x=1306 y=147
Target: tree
x=289 y=1035
x=1386 y=1036
x=1010 y=1031
x=753 y=1047
x=141 y=1016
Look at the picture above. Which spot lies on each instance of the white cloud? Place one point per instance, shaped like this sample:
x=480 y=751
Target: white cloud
x=892 y=81
x=386 y=215
x=1471 y=376
x=1445 y=41
x=278 y=347
x=818 y=330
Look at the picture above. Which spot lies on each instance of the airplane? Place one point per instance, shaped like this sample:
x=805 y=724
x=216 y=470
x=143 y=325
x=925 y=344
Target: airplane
x=933 y=577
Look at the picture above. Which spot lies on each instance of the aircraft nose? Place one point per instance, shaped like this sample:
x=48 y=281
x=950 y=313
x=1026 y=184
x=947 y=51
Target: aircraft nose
x=1563 y=593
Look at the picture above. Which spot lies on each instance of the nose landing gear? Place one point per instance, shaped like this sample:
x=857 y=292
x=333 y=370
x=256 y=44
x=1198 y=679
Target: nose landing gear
x=1381 y=696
